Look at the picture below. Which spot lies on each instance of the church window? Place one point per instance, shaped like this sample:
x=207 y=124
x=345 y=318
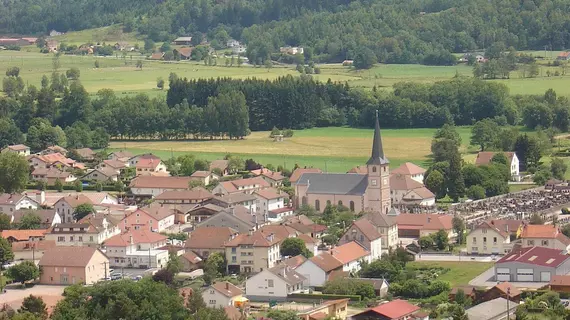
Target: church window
x=373 y=169
x=340 y=202
x=304 y=200
x=317 y=205
x=351 y=205
x=384 y=169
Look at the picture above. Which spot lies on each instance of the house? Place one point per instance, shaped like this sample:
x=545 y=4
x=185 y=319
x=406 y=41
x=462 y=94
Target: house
x=335 y=309
x=122 y=156
x=291 y=50
x=232 y=43
x=351 y=255
x=510 y=226
x=270 y=199
x=311 y=243
x=387 y=226
x=407 y=192
x=251 y=253
x=499 y=309
x=51 y=175
x=190 y=261
x=380 y=285
x=246 y=200
x=135 y=159
x=275 y=179
x=86 y=154
x=53 y=159
x=563 y=56
x=248 y=186
x=17 y=149
x=103 y=175
x=274 y=284
x=183 y=53
x=419 y=225
x=23 y=235
x=238 y=218
x=54 y=149
x=206 y=177
x=87 y=233
x=239 y=50
x=149 y=186
x=156 y=56
x=486 y=238
x=532 y=264
x=485 y=157
x=347 y=63
x=155 y=218
x=559 y=283
x=411 y=170
x=106 y=225
x=66 y=206
x=547 y=236
x=366 y=234
x=145 y=165
x=206 y=240
x=10 y=202
x=358 y=192
x=202 y=212
x=52 y=45
x=277 y=215
x=502 y=289
x=304 y=225
x=469 y=291
x=221 y=165
x=194 y=196
x=137 y=249
x=183 y=41
x=394 y=310
x=73 y=265
x=221 y=294
x=294 y=262
x=318 y=268
x=48 y=217
x=115 y=165
x=297 y=173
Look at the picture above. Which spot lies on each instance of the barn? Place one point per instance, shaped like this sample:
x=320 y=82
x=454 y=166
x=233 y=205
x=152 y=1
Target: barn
x=532 y=264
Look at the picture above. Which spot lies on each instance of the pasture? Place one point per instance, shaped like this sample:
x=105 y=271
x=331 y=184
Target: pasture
x=333 y=149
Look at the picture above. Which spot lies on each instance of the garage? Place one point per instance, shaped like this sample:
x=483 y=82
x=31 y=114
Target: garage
x=503 y=274
x=525 y=275
x=545 y=276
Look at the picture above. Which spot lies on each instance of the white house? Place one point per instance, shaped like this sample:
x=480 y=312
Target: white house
x=269 y=199
x=232 y=43
x=366 y=234
x=137 y=249
x=66 y=205
x=86 y=233
x=221 y=294
x=149 y=165
x=413 y=171
x=150 y=186
x=485 y=157
x=274 y=284
x=10 y=202
x=351 y=254
x=18 y=149
x=318 y=268
x=154 y=218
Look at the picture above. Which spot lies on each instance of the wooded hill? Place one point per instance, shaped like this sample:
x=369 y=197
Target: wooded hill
x=333 y=30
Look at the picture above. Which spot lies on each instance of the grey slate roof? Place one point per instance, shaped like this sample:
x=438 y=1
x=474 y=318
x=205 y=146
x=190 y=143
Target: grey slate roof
x=377 y=156
x=335 y=183
x=493 y=309
x=286 y=273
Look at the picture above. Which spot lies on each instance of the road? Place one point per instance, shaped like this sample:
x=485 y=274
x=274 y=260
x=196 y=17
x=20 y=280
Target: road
x=450 y=257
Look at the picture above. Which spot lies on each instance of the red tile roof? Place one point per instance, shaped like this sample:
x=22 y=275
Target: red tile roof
x=326 y=262
x=307 y=239
x=209 y=237
x=408 y=168
x=350 y=251
x=138 y=236
x=295 y=261
x=487 y=225
x=403 y=182
x=148 y=163
x=283 y=232
x=560 y=280
x=201 y=174
x=540 y=256
x=300 y=171
x=396 y=309
x=23 y=235
x=76 y=200
x=564 y=54
x=485 y=157
x=408 y=221
x=271 y=193
x=507 y=225
x=227 y=289
x=191 y=257
x=541 y=231
x=256 y=239
x=198 y=194
x=367 y=229
x=67 y=256
x=506 y=287
x=160 y=182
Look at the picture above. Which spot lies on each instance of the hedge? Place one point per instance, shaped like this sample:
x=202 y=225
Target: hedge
x=313 y=296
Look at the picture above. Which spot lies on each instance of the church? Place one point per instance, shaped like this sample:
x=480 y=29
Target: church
x=358 y=192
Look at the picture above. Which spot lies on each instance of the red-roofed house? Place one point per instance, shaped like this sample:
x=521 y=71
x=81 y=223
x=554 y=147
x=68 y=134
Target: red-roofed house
x=154 y=218
x=532 y=264
x=351 y=254
x=147 y=165
x=145 y=186
x=270 y=199
x=565 y=55
x=547 y=236
x=240 y=185
x=319 y=268
x=366 y=234
x=252 y=252
x=559 y=283
x=20 y=149
x=393 y=310
x=486 y=238
x=485 y=157
x=134 y=248
x=190 y=261
x=411 y=170
x=419 y=225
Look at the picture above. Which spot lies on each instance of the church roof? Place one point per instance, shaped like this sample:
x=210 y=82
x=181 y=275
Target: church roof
x=377 y=156
x=334 y=183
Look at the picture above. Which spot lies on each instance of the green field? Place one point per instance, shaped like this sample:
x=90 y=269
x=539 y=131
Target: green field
x=336 y=149
x=124 y=78
x=460 y=273
x=109 y=35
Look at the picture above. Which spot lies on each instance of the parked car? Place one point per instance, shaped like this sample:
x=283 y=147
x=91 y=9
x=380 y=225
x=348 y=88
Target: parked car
x=116 y=276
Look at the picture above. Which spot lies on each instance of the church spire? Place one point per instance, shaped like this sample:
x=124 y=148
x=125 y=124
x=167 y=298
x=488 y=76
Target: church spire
x=377 y=156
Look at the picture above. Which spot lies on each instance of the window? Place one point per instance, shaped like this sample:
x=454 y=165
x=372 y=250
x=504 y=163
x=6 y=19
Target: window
x=361 y=238
x=212 y=291
x=544 y=242
x=317 y=205
x=530 y=242
x=234 y=250
x=351 y=205
x=212 y=301
x=374 y=182
x=70 y=238
x=328 y=202
x=484 y=239
x=373 y=169
x=91 y=238
x=474 y=240
x=60 y=239
x=270 y=283
x=80 y=238
x=494 y=239
x=484 y=230
x=340 y=202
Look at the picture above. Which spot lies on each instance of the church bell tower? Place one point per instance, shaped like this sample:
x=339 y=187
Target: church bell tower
x=378 y=191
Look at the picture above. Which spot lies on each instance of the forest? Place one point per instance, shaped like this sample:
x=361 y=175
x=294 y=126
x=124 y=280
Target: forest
x=415 y=31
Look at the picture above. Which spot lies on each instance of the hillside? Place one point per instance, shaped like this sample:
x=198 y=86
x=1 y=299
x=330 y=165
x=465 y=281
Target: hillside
x=333 y=30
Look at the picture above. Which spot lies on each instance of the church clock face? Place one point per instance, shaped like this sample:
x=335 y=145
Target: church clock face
x=385 y=181
x=373 y=182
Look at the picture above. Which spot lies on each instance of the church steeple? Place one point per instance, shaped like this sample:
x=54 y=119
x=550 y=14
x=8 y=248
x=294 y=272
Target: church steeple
x=377 y=157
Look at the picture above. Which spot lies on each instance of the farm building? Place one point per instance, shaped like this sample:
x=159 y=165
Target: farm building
x=532 y=264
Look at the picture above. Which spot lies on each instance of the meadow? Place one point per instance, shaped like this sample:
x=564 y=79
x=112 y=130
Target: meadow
x=331 y=149
x=460 y=272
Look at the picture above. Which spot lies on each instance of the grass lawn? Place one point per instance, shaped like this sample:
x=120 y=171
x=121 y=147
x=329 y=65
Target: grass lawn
x=336 y=149
x=460 y=273
x=520 y=187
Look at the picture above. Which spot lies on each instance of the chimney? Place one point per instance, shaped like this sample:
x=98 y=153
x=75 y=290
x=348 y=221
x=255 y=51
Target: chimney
x=232 y=210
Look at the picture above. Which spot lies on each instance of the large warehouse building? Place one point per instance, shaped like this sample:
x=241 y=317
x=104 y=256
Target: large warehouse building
x=532 y=264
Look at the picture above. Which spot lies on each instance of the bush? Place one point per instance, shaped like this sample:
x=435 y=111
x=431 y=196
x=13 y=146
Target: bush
x=476 y=192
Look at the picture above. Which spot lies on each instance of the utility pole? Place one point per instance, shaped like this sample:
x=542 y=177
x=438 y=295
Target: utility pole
x=508 y=295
